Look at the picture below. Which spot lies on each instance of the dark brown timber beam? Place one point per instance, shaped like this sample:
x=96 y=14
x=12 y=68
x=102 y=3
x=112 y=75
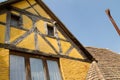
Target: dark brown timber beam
x=36 y=17
x=28 y=51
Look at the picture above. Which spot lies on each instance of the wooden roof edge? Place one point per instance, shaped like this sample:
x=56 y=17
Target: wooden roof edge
x=8 y=2
x=72 y=37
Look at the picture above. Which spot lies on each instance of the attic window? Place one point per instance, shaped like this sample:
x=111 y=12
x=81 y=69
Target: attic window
x=50 y=30
x=16 y=20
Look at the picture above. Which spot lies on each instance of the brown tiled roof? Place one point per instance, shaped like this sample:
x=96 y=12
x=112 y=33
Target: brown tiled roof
x=108 y=63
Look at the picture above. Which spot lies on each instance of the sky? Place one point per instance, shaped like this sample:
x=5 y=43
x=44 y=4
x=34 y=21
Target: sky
x=88 y=22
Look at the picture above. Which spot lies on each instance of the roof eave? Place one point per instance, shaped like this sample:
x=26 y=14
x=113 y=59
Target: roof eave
x=8 y=2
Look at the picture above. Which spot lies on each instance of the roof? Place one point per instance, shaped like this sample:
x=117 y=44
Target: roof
x=108 y=62
x=85 y=53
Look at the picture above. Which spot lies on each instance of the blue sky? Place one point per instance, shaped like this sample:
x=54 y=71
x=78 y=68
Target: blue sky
x=87 y=20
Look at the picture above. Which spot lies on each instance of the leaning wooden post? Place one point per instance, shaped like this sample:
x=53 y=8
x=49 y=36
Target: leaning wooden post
x=112 y=21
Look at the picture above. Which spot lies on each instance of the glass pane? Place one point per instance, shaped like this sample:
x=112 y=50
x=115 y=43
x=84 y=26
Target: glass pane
x=17 y=68
x=50 y=30
x=37 y=71
x=15 y=20
x=54 y=71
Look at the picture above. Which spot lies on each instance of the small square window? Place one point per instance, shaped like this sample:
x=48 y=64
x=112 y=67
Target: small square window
x=16 y=21
x=50 y=30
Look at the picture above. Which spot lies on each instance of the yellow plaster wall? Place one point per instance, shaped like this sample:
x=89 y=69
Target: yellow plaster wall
x=53 y=42
x=74 y=53
x=23 y=4
x=27 y=22
x=16 y=13
x=73 y=70
x=60 y=35
x=2 y=33
x=4 y=64
x=2 y=27
x=65 y=46
x=41 y=26
x=44 y=46
x=15 y=33
x=3 y=18
x=31 y=10
x=27 y=42
x=41 y=11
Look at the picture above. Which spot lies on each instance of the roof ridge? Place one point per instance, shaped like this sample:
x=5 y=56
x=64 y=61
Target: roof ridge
x=93 y=47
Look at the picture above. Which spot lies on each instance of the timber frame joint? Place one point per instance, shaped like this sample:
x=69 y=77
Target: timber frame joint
x=28 y=51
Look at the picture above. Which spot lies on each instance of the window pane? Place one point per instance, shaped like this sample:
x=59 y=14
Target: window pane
x=54 y=71
x=37 y=71
x=17 y=68
x=15 y=19
x=50 y=30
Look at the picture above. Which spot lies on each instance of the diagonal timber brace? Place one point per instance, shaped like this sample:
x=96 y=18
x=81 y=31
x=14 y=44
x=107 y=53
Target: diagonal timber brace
x=19 y=39
x=47 y=41
x=30 y=15
x=69 y=50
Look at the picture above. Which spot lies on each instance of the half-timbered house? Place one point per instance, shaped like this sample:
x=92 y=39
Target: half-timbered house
x=36 y=45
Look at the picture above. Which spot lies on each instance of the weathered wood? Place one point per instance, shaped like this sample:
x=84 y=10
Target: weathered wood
x=27 y=67
x=3 y=10
x=28 y=51
x=30 y=6
x=33 y=8
x=71 y=41
x=33 y=16
x=19 y=39
x=36 y=39
x=21 y=28
x=69 y=50
x=2 y=23
x=47 y=41
x=66 y=32
x=57 y=39
x=46 y=69
x=7 y=31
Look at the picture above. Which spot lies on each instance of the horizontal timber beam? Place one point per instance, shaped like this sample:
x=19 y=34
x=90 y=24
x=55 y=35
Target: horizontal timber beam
x=2 y=23
x=36 y=17
x=36 y=52
x=55 y=37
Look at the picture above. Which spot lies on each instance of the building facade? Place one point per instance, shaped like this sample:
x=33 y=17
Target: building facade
x=35 y=44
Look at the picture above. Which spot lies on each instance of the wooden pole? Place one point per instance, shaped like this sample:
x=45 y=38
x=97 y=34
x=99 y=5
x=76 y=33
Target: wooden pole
x=112 y=21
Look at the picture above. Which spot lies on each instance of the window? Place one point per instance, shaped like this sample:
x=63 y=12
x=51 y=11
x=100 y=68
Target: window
x=41 y=68
x=37 y=70
x=17 y=68
x=50 y=30
x=53 y=70
x=16 y=20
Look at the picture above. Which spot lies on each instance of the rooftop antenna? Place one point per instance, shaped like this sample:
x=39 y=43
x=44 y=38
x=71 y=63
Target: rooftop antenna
x=112 y=21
